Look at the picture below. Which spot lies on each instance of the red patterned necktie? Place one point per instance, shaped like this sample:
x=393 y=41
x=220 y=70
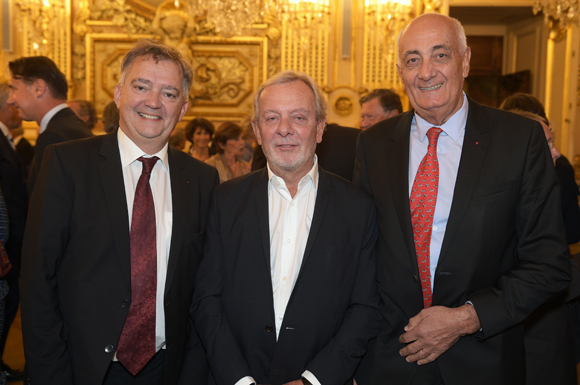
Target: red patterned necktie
x=137 y=342
x=423 y=199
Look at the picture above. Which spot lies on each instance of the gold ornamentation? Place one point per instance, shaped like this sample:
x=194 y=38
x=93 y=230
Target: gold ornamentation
x=343 y=106
x=561 y=12
x=122 y=15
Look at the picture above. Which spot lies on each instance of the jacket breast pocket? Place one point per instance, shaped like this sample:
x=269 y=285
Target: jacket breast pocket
x=496 y=189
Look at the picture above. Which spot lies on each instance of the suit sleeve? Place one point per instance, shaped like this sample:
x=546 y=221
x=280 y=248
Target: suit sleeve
x=46 y=236
x=544 y=259
x=44 y=140
x=226 y=360
x=337 y=361
x=360 y=177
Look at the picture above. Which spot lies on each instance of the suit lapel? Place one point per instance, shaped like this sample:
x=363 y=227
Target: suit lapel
x=322 y=198
x=181 y=195
x=398 y=178
x=111 y=175
x=261 y=200
x=475 y=145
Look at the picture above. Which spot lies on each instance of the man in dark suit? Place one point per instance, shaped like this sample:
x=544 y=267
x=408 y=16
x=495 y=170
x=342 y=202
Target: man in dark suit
x=335 y=153
x=378 y=105
x=488 y=234
x=113 y=241
x=286 y=293
x=39 y=91
x=16 y=198
x=23 y=148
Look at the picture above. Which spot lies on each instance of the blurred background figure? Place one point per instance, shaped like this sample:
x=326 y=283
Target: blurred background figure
x=23 y=148
x=110 y=117
x=230 y=149
x=86 y=111
x=177 y=139
x=199 y=132
x=568 y=188
x=250 y=140
x=378 y=105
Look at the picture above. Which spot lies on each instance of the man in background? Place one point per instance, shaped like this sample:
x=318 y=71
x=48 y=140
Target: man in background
x=38 y=89
x=378 y=105
x=85 y=110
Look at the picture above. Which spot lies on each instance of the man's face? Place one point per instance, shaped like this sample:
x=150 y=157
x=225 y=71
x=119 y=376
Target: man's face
x=10 y=117
x=23 y=98
x=287 y=128
x=432 y=68
x=371 y=112
x=151 y=102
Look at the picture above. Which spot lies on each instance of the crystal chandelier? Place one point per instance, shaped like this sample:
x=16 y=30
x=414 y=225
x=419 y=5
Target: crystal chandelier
x=304 y=12
x=563 y=12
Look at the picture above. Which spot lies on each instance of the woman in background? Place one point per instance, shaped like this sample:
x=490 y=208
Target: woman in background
x=199 y=132
x=230 y=148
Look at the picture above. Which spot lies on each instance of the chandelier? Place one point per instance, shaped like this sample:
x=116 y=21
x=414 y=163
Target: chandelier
x=563 y=12
x=303 y=12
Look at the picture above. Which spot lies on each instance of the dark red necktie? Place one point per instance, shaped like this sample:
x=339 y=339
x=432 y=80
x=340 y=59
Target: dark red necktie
x=423 y=199
x=137 y=342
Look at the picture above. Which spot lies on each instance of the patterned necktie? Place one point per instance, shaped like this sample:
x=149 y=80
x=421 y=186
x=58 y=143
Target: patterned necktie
x=137 y=342
x=423 y=199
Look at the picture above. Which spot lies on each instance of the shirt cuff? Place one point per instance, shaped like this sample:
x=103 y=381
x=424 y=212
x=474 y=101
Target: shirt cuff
x=246 y=381
x=310 y=377
x=471 y=303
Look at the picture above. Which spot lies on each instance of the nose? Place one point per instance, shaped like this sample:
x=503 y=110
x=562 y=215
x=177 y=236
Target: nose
x=153 y=99
x=427 y=70
x=285 y=127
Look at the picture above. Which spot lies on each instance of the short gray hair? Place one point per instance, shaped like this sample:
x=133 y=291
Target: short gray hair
x=288 y=76
x=460 y=33
x=158 y=51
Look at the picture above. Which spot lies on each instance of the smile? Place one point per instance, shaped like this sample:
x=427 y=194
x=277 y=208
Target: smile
x=148 y=116
x=431 y=88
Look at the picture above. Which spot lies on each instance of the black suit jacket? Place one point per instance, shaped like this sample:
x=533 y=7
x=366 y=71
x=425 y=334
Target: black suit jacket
x=76 y=271
x=26 y=153
x=12 y=184
x=336 y=152
x=333 y=309
x=65 y=125
x=504 y=247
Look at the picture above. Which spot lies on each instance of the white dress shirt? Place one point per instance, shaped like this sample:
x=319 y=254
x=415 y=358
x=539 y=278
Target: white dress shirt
x=46 y=118
x=160 y=183
x=449 y=148
x=6 y=131
x=290 y=219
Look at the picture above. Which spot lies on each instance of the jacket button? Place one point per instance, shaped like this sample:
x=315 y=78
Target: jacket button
x=109 y=349
x=269 y=328
x=415 y=278
x=124 y=303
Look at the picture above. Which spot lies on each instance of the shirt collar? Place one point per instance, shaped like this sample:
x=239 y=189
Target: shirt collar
x=46 y=118
x=130 y=152
x=5 y=130
x=452 y=127
x=311 y=176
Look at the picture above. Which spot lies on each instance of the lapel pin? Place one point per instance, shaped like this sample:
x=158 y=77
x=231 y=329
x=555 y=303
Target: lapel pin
x=476 y=143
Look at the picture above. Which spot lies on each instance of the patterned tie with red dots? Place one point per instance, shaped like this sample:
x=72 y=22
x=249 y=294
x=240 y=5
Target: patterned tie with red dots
x=137 y=342
x=423 y=199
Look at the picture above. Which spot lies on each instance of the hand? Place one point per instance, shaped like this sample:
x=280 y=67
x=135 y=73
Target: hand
x=434 y=330
x=296 y=382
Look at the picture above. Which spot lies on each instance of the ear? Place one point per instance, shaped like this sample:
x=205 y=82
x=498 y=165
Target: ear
x=466 y=58
x=117 y=95
x=39 y=87
x=256 y=129
x=320 y=130
x=184 y=109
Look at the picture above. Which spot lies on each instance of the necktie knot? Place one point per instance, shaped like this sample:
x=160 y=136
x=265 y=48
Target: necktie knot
x=433 y=135
x=148 y=164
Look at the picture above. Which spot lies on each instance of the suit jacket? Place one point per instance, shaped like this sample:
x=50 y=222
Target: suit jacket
x=336 y=152
x=569 y=194
x=76 y=273
x=65 y=125
x=333 y=310
x=26 y=153
x=14 y=188
x=504 y=247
